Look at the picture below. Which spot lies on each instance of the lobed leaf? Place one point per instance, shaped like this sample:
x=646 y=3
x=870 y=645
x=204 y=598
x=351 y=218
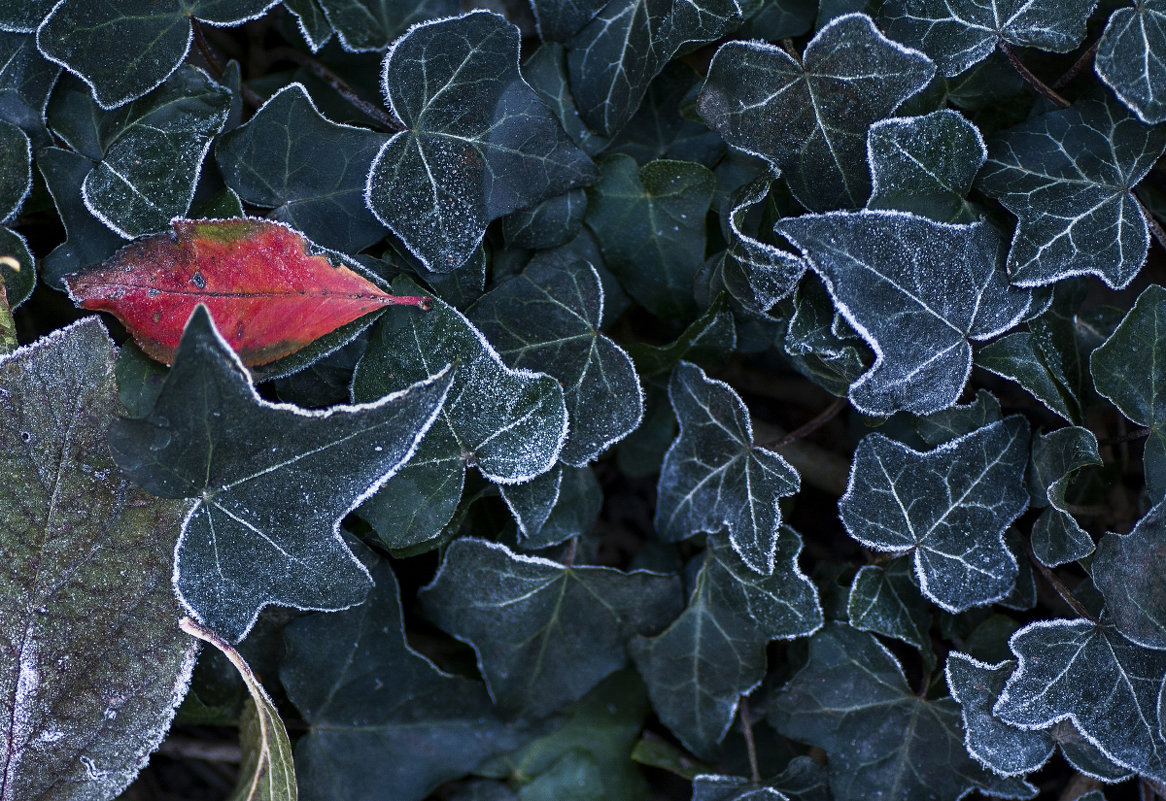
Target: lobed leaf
x=1128 y=572
x=1131 y=58
x=364 y=25
x=886 y=600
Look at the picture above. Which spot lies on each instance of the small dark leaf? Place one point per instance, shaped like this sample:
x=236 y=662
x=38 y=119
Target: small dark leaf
x=312 y=22
x=17 y=284
x=819 y=342
x=886 y=600
x=947 y=424
x=660 y=130
x=802 y=780
x=363 y=25
x=555 y=506
x=26 y=78
x=1057 y=538
x=1018 y=358
x=553 y=222
x=546 y=72
x=1130 y=573
x=757 y=273
x=87 y=240
x=1131 y=55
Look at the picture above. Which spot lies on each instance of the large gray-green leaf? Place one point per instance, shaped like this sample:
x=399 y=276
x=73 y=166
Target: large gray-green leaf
x=951 y=505
x=714 y=476
x=1126 y=370
x=1069 y=176
x=477 y=144
x=544 y=633
x=272 y=481
x=1131 y=58
x=887 y=601
x=123 y=50
x=363 y=25
x=960 y=33
x=882 y=740
x=1130 y=573
x=309 y=170
x=547 y=320
x=650 y=223
x=371 y=700
x=93 y=661
x=714 y=652
x=917 y=291
x=850 y=75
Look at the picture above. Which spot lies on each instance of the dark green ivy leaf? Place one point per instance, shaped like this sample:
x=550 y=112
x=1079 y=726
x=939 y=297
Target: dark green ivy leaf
x=123 y=53
x=1069 y=176
x=478 y=142
x=26 y=78
x=1056 y=456
x=1130 y=573
x=272 y=481
x=882 y=740
x=715 y=477
x=371 y=700
x=312 y=22
x=18 y=284
x=555 y=506
x=714 y=652
x=886 y=600
x=1018 y=358
x=23 y=16
x=947 y=424
x=951 y=505
x=546 y=72
x=553 y=222
x=363 y=25
x=819 y=342
x=850 y=76
x=87 y=240
x=960 y=33
x=802 y=780
x=544 y=633
x=311 y=171
x=1131 y=58
x=918 y=291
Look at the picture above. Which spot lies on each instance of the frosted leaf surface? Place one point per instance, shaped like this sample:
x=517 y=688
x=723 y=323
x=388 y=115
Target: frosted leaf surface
x=26 y=79
x=1130 y=572
x=15 y=169
x=756 y=272
x=802 y=780
x=849 y=77
x=1017 y=357
x=950 y=505
x=365 y=25
x=544 y=633
x=555 y=506
x=714 y=652
x=917 y=291
x=1069 y=177
x=960 y=33
x=271 y=481
x=94 y=661
x=714 y=477
x=1056 y=537
x=547 y=320
x=886 y=600
x=1131 y=58
x=87 y=240
x=955 y=421
x=478 y=143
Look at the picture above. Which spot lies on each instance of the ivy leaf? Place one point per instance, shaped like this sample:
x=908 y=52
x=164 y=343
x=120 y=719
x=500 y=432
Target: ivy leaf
x=311 y=21
x=478 y=142
x=910 y=747
x=714 y=653
x=947 y=424
x=1126 y=371
x=547 y=319
x=1018 y=358
x=15 y=169
x=272 y=481
x=1106 y=685
x=260 y=280
x=650 y=223
x=917 y=291
x=369 y=698
x=819 y=342
x=850 y=75
x=309 y=170
x=802 y=780
x=950 y=505
x=85 y=560
x=614 y=57
x=1056 y=537
x=553 y=222
x=925 y=165
x=26 y=79
x=555 y=506
x=885 y=600
x=80 y=35
x=87 y=240
x=544 y=633
x=715 y=477
x=365 y=25
x=1128 y=571
x=960 y=33
x=1069 y=176
x=1131 y=55
x=24 y=16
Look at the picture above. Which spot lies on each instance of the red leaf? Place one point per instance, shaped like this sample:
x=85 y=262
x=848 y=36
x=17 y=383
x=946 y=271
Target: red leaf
x=267 y=294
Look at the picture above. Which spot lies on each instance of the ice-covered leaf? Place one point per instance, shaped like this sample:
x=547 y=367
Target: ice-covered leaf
x=311 y=21
x=925 y=165
x=560 y=504
x=94 y=663
x=1069 y=176
x=478 y=143
x=1107 y=686
x=24 y=16
x=266 y=289
x=26 y=78
x=363 y=25
x=614 y=57
x=850 y=75
x=1056 y=457
x=87 y=240
x=271 y=481
x=1131 y=58
x=309 y=170
x=886 y=600
x=1125 y=370
x=714 y=476
x=369 y=699
x=950 y=505
x=1017 y=357
x=882 y=740
x=650 y=223
x=756 y=272
x=123 y=53
x=544 y=633
x=960 y=33
x=947 y=424
x=714 y=652
x=15 y=169
x=555 y=221
x=1130 y=573
x=819 y=342
x=547 y=320
x=917 y=291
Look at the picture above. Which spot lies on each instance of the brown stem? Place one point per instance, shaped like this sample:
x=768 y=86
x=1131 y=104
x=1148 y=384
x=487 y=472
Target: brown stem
x=803 y=431
x=1059 y=586
x=1080 y=64
x=1151 y=223
x=750 y=746
x=313 y=66
x=569 y=555
x=1033 y=81
x=212 y=60
x=819 y=467
x=1130 y=436
x=188 y=747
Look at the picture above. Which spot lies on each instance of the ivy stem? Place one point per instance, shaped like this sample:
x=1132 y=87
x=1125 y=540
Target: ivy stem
x=1151 y=223
x=315 y=67
x=1058 y=585
x=212 y=60
x=750 y=746
x=1080 y=64
x=1138 y=433
x=803 y=431
x=1033 y=81
x=569 y=555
